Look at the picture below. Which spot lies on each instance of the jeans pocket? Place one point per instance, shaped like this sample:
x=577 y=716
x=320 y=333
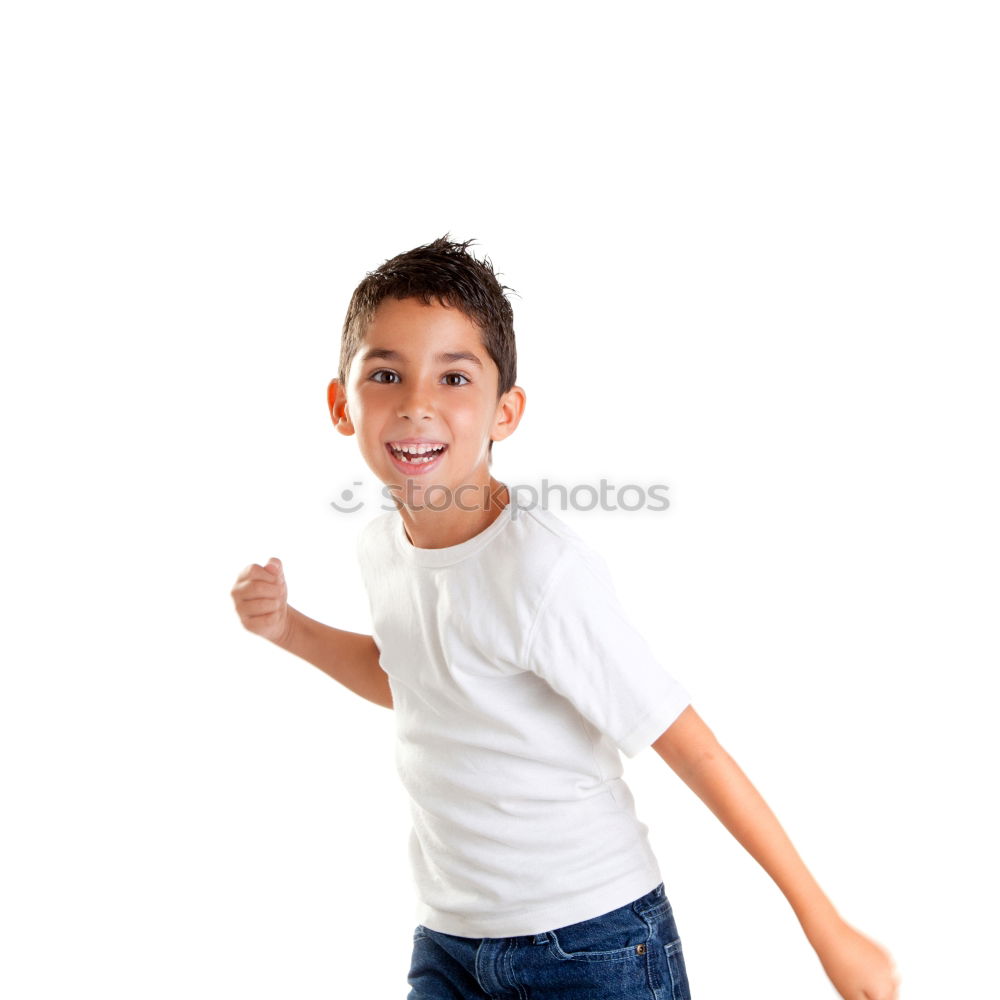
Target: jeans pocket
x=620 y=934
x=679 y=989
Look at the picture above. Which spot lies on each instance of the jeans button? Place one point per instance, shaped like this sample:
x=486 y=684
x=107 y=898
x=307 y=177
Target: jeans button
x=640 y=949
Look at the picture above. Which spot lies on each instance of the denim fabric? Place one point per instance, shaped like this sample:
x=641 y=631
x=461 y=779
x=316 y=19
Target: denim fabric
x=632 y=953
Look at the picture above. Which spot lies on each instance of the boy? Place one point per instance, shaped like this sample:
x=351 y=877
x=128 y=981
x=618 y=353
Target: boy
x=515 y=678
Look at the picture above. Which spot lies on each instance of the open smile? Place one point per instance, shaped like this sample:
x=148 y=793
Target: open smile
x=415 y=457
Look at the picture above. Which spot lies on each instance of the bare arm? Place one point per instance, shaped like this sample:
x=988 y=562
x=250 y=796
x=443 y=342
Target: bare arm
x=348 y=657
x=261 y=599
x=858 y=968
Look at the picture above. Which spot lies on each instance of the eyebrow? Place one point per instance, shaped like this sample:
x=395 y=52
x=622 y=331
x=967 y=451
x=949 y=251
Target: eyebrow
x=448 y=356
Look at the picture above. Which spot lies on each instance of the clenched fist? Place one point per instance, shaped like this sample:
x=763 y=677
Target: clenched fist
x=261 y=600
x=857 y=966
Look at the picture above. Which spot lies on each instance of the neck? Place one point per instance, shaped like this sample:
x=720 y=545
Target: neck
x=440 y=529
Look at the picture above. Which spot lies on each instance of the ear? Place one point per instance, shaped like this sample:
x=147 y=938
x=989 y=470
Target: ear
x=336 y=398
x=510 y=406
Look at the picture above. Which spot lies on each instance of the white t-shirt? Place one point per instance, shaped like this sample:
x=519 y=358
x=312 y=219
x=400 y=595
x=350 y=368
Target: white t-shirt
x=516 y=679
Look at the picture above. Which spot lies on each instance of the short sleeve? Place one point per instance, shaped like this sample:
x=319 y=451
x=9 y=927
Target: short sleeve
x=583 y=645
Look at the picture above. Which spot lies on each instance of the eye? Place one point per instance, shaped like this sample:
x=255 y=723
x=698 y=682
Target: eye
x=457 y=375
x=382 y=371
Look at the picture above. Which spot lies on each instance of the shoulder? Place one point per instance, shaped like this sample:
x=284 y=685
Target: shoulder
x=550 y=548
x=376 y=535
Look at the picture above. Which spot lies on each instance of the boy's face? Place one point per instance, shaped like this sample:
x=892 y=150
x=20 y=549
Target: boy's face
x=423 y=378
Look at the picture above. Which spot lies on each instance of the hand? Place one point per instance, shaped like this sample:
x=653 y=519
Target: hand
x=261 y=600
x=859 y=968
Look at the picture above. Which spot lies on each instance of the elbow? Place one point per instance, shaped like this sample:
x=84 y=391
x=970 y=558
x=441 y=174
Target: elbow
x=688 y=745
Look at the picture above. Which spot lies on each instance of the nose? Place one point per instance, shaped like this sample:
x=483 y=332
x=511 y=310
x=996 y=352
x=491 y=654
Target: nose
x=416 y=403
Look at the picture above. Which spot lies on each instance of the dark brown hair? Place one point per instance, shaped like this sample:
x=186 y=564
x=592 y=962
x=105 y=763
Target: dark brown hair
x=444 y=270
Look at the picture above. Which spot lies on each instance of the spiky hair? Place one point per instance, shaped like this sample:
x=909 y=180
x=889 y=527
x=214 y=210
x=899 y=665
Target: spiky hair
x=446 y=271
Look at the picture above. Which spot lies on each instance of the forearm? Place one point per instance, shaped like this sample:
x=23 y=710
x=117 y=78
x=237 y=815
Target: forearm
x=348 y=657
x=696 y=756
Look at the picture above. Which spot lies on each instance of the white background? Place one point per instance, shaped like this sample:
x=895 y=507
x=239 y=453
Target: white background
x=755 y=247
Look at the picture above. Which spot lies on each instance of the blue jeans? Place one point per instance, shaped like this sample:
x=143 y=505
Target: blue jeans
x=632 y=953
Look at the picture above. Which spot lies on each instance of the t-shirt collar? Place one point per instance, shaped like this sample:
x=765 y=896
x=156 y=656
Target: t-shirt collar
x=452 y=553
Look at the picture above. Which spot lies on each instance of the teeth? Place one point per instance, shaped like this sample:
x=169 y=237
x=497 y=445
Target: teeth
x=422 y=453
x=417 y=449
